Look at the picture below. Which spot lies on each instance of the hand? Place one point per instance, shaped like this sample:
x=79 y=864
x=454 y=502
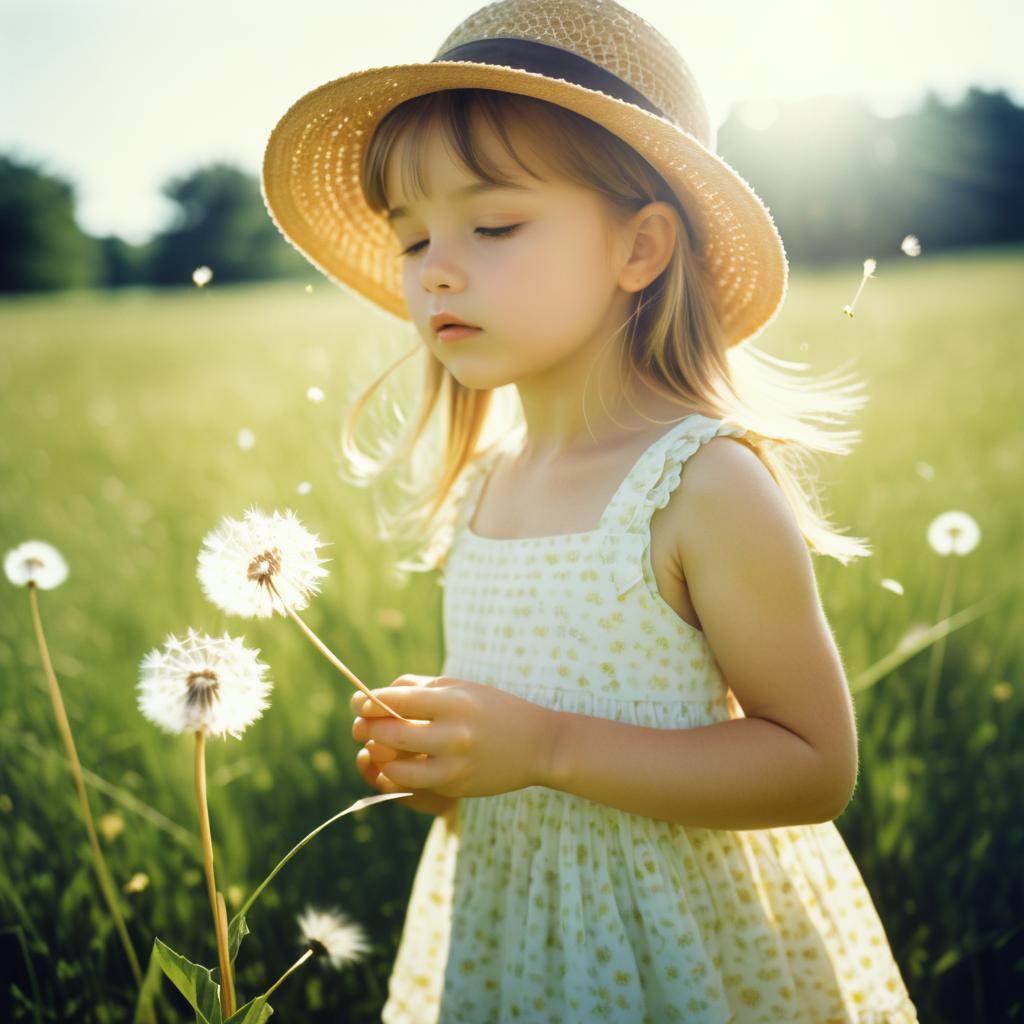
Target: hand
x=424 y=801
x=476 y=740
x=374 y=754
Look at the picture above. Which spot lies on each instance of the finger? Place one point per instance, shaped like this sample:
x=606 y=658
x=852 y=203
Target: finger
x=420 y=702
x=433 y=738
x=417 y=773
x=380 y=753
x=366 y=767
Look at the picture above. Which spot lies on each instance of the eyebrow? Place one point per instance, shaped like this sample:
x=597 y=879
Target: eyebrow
x=467 y=190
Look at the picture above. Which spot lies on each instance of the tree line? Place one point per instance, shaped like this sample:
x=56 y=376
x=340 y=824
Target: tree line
x=839 y=180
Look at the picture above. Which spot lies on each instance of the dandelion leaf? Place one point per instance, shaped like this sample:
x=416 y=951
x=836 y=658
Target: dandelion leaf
x=145 y=1008
x=195 y=983
x=237 y=930
x=254 y=1012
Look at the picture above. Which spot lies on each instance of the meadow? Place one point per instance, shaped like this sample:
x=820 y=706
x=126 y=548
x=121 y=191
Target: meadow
x=119 y=423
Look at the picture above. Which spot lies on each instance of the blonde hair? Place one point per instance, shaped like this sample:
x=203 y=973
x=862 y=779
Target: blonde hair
x=673 y=342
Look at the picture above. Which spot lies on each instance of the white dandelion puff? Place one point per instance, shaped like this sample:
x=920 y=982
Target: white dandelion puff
x=246 y=439
x=315 y=394
x=202 y=276
x=304 y=487
x=953 y=533
x=35 y=563
x=250 y=566
x=869 y=271
x=331 y=934
x=911 y=246
x=203 y=683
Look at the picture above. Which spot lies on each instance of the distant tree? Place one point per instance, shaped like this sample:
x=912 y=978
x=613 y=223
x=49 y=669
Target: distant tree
x=222 y=223
x=41 y=246
x=123 y=262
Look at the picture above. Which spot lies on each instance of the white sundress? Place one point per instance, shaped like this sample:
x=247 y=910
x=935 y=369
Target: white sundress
x=541 y=906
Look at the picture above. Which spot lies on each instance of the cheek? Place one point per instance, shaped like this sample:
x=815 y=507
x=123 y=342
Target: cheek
x=554 y=287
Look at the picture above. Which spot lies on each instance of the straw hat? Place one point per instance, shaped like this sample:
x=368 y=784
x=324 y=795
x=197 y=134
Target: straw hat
x=594 y=57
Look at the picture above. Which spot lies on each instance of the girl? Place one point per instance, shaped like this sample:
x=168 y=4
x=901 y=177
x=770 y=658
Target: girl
x=642 y=731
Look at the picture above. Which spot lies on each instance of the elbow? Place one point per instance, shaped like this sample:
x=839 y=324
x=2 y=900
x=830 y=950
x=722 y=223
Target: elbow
x=839 y=792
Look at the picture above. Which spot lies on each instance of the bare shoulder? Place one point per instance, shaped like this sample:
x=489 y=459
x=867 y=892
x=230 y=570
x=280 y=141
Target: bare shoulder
x=748 y=570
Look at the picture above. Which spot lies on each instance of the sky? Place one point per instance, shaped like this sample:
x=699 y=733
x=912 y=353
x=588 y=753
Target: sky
x=118 y=96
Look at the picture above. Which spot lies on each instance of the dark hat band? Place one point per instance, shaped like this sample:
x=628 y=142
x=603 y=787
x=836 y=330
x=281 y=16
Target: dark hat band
x=552 y=61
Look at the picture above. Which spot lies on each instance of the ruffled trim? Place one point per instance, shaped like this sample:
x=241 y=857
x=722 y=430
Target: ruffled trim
x=629 y=547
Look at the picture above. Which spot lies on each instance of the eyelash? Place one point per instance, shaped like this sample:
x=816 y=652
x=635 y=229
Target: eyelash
x=503 y=232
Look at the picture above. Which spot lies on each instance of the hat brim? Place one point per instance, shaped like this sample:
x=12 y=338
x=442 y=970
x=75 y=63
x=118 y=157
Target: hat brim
x=310 y=185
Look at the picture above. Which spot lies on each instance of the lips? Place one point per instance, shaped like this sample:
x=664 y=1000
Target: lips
x=441 y=320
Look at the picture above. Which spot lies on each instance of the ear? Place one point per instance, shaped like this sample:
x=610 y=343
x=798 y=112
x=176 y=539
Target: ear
x=651 y=232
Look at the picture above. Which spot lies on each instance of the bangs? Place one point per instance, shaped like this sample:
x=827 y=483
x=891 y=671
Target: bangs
x=456 y=114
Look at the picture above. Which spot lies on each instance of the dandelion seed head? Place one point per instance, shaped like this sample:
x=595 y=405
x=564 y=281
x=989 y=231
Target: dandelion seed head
x=36 y=563
x=242 y=560
x=246 y=439
x=953 y=533
x=202 y=276
x=911 y=246
x=216 y=684
x=331 y=934
x=315 y=394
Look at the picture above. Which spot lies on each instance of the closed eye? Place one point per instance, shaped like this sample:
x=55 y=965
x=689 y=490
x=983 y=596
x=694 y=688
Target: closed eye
x=503 y=232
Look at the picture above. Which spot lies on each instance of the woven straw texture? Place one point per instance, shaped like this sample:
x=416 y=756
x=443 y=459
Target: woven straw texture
x=311 y=168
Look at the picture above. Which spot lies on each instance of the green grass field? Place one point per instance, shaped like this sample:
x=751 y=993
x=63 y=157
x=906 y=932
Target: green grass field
x=118 y=423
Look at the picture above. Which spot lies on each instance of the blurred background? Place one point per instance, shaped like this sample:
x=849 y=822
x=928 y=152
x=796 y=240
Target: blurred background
x=141 y=401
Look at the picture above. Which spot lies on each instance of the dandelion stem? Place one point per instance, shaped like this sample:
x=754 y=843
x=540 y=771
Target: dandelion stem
x=935 y=660
x=227 y=988
x=330 y=656
x=294 y=967
x=100 y=864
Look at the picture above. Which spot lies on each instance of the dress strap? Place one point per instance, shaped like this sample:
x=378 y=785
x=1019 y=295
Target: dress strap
x=648 y=486
x=458 y=510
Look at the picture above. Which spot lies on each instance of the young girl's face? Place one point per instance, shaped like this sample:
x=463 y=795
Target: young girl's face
x=534 y=266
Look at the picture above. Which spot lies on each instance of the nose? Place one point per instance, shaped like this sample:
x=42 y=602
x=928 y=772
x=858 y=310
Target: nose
x=441 y=269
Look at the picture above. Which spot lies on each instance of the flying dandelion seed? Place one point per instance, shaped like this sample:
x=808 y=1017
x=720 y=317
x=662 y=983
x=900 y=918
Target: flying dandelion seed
x=202 y=276
x=139 y=882
x=203 y=683
x=894 y=585
x=248 y=567
x=953 y=533
x=315 y=394
x=309 y=289
x=304 y=487
x=911 y=246
x=925 y=470
x=246 y=439
x=869 y=271
x=331 y=934
x=35 y=563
